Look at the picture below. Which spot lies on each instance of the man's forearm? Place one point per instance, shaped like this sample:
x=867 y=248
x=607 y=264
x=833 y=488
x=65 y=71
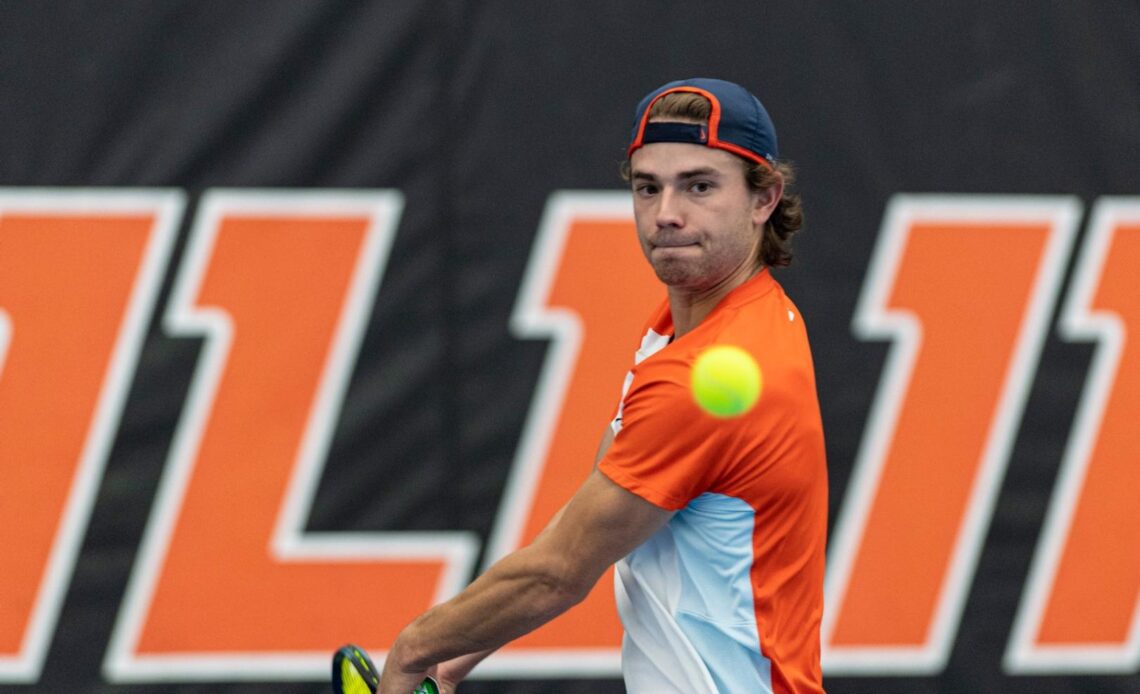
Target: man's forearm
x=517 y=595
x=601 y=524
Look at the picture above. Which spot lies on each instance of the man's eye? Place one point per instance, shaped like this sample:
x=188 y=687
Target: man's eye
x=701 y=187
x=646 y=190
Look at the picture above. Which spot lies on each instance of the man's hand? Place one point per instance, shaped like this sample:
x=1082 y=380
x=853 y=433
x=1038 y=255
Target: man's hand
x=448 y=674
x=398 y=680
x=454 y=671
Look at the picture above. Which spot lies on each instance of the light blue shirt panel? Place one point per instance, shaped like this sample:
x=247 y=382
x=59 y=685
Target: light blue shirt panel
x=699 y=566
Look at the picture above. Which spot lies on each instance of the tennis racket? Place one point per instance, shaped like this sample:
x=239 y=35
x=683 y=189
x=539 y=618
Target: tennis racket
x=354 y=673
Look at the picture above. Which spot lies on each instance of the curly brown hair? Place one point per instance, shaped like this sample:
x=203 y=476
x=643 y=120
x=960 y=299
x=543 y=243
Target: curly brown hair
x=788 y=217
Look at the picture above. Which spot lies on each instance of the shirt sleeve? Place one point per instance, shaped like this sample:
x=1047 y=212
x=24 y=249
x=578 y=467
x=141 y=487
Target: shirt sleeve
x=668 y=449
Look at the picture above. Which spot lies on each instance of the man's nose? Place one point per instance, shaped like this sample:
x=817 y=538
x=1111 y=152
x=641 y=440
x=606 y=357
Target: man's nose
x=669 y=209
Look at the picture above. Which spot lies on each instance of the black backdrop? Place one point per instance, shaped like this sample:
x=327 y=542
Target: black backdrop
x=477 y=112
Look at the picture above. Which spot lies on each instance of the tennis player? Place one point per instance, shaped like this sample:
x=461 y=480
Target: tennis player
x=717 y=526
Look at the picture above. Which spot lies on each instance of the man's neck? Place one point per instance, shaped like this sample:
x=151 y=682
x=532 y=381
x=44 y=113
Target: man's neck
x=690 y=307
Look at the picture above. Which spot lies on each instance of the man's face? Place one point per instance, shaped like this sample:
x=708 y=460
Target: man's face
x=698 y=222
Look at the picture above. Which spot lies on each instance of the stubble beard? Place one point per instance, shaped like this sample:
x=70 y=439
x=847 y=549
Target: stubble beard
x=692 y=275
x=678 y=274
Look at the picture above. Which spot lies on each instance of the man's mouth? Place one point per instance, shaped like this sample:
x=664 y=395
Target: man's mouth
x=673 y=243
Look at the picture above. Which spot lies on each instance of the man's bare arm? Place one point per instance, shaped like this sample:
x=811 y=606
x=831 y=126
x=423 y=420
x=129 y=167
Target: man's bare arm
x=451 y=672
x=602 y=523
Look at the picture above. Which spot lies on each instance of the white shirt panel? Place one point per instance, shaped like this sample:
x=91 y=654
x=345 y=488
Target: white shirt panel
x=685 y=599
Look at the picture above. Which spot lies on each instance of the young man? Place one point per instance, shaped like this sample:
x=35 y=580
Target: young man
x=717 y=526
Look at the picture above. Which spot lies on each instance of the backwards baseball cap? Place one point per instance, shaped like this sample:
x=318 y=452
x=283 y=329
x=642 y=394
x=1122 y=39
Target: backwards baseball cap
x=738 y=122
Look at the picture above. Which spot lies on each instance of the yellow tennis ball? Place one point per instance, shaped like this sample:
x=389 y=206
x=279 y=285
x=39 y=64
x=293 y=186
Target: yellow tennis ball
x=726 y=381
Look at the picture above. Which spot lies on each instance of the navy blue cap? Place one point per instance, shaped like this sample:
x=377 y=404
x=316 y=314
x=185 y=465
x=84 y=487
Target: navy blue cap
x=738 y=122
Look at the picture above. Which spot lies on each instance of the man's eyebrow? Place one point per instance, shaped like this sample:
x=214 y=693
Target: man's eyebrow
x=691 y=173
x=695 y=173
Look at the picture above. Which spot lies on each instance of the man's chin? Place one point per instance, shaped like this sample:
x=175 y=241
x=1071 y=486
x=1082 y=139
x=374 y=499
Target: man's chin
x=676 y=275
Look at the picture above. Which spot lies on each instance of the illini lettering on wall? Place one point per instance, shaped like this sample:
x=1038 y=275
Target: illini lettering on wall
x=279 y=286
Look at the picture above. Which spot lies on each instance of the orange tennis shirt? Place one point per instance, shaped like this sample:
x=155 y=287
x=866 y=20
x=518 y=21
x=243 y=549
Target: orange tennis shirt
x=728 y=595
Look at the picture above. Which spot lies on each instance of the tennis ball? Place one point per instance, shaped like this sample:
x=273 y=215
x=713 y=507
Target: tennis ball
x=726 y=381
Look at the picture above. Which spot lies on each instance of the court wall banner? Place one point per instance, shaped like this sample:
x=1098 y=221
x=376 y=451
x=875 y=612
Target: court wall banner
x=311 y=311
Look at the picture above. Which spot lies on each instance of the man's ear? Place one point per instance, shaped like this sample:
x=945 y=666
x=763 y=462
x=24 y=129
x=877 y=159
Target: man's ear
x=765 y=201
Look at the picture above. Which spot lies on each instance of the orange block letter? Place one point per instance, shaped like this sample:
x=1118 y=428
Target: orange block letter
x=964 y=285
x=79 y=273
x=1081 y=609
x=227 y=584
x=587 y=289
